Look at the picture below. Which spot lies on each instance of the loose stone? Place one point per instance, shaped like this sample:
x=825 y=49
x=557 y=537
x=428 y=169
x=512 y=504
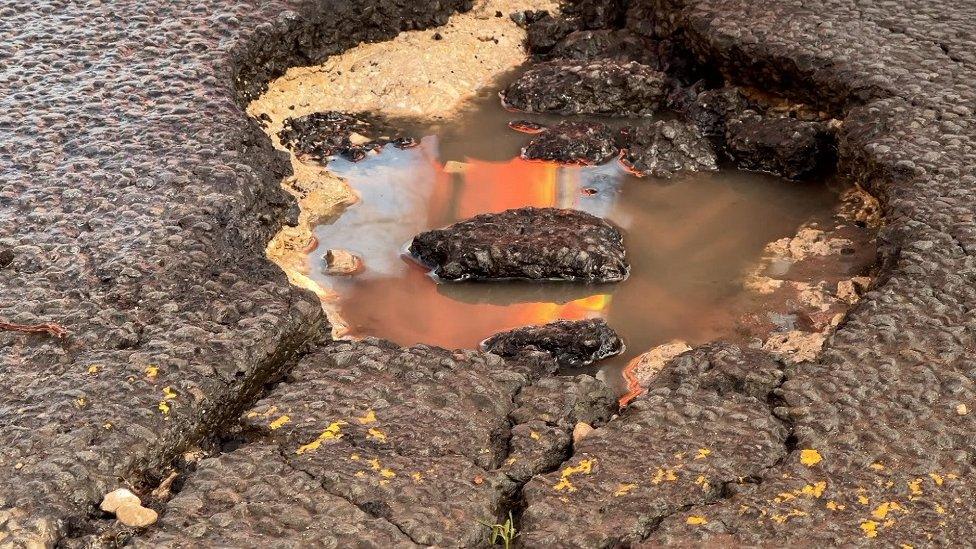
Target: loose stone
x=342 y=263
x=572 y=343
x=525 y=243
x=665 y=148
x=600 y=87
x=573 y=143
x=135 y=515
x=117 y=498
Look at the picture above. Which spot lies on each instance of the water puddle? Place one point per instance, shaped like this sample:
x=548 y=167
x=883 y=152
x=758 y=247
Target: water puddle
x=690 y=240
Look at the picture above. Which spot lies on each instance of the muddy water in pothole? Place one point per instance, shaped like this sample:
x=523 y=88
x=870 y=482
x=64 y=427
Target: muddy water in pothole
x=690 y=240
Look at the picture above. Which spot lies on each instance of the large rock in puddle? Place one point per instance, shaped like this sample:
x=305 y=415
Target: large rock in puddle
x=371 y=444
x=572 y=343
x=702 y=432
x=573 y=143
x=525 y=243
x=320 y=135
x=667 y=147
x=786 y=146
x=600 y=87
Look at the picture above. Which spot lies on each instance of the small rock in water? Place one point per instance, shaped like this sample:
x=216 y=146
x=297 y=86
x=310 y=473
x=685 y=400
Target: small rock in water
x=572 y=343
x=573 y=143
x=667 y=147
x=117 y=498
x=342 y=263
x=135 y=515
x=599 y=87
x=525 y=243
x=580 y=431
x=785 y=146
x=320 y=135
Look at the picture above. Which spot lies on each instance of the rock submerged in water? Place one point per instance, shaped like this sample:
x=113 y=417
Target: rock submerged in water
x=665 y=148
x=604 y=87
x=572 y=343
x=320 y=135
x=573 y=143
x=525 y=243
x=786 y=146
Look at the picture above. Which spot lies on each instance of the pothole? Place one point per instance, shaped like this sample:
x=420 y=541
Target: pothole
x=740 y=256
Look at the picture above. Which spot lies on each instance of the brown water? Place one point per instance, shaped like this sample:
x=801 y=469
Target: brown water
x=689 y=240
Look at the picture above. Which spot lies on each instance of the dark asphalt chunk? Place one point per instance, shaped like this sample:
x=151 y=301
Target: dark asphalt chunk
x=619 y=45
x=711 y=110
x=665 y=148
x=598 y=87
x=525 y=243
x=320 y=135
x=583 y=143
x=792 y=148
x=572 y=343
x=545 y=32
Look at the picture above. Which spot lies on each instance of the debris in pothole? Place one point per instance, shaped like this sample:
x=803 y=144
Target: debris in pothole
x=711 y=110
x=526 y=126
x=525 y=243
x=602 y=87
x=665 y=148
x=618 y=45
x=319 y=136
x=342 y=263
x=792 y=148
x=136 y=516
x=546 y=31
x=572 y=343
x=117 y=498
x=581 y=143
x=581 y=431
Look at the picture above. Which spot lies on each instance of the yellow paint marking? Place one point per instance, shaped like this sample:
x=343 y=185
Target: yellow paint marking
x=703 y=453
x=916 y=488
x=93 y=369
x=377 y=434
x=623 y=489
x=816 y=489
x=360 y=474
x=585 y=467
x=417 y=477
x=810 y=457
x=332 y=432
x=870 y=528
x=168 y=393
x=834 y=506
x=937 y=478
x=163 y=407
x=370 y=417
x=877 y=466
x=534 y=435
x=387 y=473
x=863 y=500
x=152 y=372
x=696 y=520
x=375 y=464
x=278 y=423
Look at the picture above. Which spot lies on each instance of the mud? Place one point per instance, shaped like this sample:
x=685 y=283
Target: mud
x=525 y=243
x=572 y=344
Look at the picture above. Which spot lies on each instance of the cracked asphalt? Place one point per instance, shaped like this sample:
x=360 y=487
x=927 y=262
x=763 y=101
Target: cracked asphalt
x=136 y=202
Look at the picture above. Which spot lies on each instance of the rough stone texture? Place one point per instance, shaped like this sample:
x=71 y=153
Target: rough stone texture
x=136 y=200
x=252 y=497
x=703 y=430
x=710 y=111
x=603 y=87
x=582 y=143
x=665 y=148
x=785 y=146
x=887 y=407
x=391 y=445
x=619 y=45
x=544 y=32
x=321 y=135
x=525 y=243
x=572 y=343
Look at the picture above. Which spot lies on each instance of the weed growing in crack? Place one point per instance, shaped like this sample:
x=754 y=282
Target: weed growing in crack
x=504 y=532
